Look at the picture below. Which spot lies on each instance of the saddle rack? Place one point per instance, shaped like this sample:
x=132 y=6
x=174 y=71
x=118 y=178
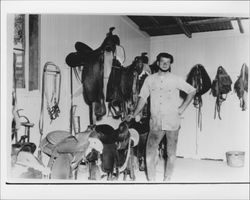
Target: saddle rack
x=24 y=142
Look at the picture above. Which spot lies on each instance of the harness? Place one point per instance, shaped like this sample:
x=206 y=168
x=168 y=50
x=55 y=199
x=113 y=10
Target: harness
x=135 y=88
x=53 y=102
x=200 y=80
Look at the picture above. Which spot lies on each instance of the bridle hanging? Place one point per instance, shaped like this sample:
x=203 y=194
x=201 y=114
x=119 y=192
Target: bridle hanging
x=197 y=83
x=53 y=102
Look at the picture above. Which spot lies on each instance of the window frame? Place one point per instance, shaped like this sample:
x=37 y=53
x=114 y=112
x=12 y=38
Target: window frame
x=26 y=90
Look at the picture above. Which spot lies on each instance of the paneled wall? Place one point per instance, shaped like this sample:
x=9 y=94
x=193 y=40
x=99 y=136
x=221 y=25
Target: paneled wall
x=229 y=49
x=58 y=36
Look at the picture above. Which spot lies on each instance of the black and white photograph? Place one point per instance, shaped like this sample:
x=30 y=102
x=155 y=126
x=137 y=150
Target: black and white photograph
x=94 y=96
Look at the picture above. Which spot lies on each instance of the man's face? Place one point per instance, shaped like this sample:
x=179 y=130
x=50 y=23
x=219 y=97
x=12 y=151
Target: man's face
x=164 y=63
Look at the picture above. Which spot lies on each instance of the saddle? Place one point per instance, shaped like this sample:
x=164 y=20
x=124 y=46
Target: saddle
x=92 y=62
x=142 y=128
x=130 y=86
x=84 y=50
x=117 y=144
x=154 y=67
x=221 y=86
x=85 y=54
x=122 y=86
x=199 y=79
x=61 y=146
x=114 y=94
x=23 y=145
x=241 y=86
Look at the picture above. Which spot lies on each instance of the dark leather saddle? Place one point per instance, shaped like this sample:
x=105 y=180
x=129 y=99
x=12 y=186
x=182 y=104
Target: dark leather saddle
x=85 y=54
x=81 y=56
x=109 y=135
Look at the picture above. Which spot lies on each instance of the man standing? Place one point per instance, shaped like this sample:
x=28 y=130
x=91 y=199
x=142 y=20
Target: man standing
x=163 y=88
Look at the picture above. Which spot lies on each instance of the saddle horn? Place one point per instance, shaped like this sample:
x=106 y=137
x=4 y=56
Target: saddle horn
x=113 y=38
x=111 y=30
x=144 y=57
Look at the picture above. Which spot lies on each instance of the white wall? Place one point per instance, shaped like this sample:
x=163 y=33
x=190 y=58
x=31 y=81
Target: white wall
x=58 y=36
x=229 y=49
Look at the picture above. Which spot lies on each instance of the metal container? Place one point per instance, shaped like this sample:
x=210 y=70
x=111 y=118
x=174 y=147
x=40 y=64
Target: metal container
x=235 y=158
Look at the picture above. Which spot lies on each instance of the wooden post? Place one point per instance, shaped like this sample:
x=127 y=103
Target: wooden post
x=240 y=25
x=71 y=101
x=183 y=27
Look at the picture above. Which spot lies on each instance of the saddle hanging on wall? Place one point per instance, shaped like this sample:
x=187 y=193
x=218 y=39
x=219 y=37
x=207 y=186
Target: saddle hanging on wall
x=221 y=86
x=199 y=79
x=91 y=61
x=241 y=86
x=113 y=94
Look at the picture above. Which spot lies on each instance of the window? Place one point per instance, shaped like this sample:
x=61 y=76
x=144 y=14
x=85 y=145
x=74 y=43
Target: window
x=27 y=51
x=19 y=51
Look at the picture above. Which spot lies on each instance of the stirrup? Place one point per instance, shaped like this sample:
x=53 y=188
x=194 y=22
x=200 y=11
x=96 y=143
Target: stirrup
x=115 y=114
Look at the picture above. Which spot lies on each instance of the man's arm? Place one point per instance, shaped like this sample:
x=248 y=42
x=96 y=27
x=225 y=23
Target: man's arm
x=144 y=94
x=139 y=106
x=186 y=102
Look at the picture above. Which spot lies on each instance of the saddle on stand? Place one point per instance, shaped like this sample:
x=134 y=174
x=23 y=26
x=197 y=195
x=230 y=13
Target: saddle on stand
x=117 y=149
x=23 y=144
x=67 y=152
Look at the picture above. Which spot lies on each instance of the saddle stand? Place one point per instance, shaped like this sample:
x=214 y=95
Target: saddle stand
x=24 y=143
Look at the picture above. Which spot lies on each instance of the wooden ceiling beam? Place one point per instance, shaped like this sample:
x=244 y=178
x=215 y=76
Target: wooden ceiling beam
x=196 y=22
x=156 y=23
x=183 y=27
x=240 y=25
x=215 y=20
x=154 y=20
